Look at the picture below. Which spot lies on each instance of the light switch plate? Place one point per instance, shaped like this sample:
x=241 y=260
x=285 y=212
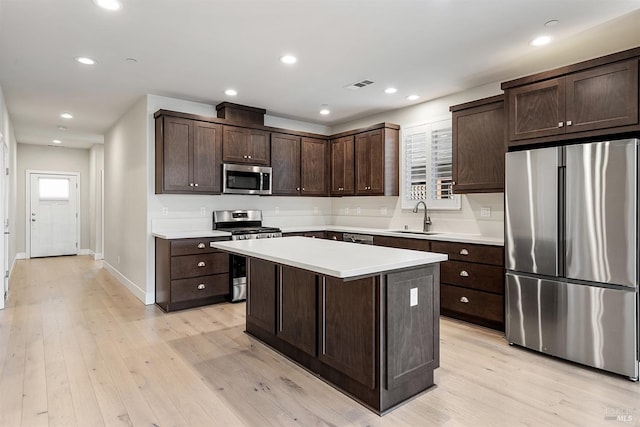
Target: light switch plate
x=413 y=297
x=485 y=212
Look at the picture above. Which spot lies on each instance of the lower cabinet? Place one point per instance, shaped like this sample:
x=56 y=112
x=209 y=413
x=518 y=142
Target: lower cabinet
x=363 y=335
x=189 y=273
x=472 y=286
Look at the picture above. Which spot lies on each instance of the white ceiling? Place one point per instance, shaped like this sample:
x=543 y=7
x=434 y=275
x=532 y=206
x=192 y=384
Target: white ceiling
x=195 y=49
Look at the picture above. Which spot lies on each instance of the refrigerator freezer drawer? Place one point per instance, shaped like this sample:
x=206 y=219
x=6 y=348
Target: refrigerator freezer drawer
x=586 y=324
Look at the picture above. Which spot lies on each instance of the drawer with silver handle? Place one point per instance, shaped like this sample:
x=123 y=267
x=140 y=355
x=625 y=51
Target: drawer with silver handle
x=181 y=247
x=199 y=265
x=470 y=302
x=199 y=287
x=485 y=254
x=483 y=277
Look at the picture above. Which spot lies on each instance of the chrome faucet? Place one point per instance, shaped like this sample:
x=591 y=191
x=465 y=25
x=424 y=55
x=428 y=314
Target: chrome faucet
x=427 y=219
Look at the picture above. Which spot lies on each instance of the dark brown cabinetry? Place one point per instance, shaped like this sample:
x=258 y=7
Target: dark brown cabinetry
x=402 y=243
x=285 y=164
x=314 y=170
x=188 y=156
x=472 y=286
x=245 y=145
x=189 y=273
x=596 y=97
x=342 y=166
x=334 y=235
x=479 y=145
x=376 y=161
x=383 y=353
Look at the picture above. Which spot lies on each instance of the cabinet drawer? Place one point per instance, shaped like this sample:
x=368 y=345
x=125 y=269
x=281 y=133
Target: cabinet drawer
x=472 y=303
x=199 y=287
x=401 y=242
x=193 y=246
x=483 y=277
x=469 y=252
x=186 y=266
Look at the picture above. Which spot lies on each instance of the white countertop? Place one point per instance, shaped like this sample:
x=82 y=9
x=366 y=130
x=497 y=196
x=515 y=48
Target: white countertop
x=332 y=258
x=176 y=234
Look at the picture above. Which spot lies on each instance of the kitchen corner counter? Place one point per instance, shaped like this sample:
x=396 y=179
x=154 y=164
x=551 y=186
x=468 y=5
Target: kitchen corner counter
x=331 y=258
x=177 y=234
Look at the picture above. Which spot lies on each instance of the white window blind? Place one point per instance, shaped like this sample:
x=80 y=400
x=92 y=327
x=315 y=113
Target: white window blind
x=428 y=169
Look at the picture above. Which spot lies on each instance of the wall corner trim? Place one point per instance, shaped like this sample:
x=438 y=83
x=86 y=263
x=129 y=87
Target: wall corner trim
x=132 y=287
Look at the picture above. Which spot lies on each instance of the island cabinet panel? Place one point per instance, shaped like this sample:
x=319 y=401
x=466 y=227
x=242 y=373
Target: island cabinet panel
x=188 y=156
x=412 y=343
x=261 y=294
x=297 y=314
x=314 y=171
x=190 y=273
x=244 y=145
x=285 y=162
x=342 y=166
x=348 y=335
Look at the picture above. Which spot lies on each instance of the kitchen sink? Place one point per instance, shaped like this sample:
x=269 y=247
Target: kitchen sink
x=415 y=232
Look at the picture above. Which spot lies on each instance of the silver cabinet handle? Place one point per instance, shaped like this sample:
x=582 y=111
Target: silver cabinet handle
x=191 y=184
x=195 y=185
x=463 y=273
x=464 y=252
x=244 y=157
x=248 y=157
x=464 y=300
x=33 y=220
x=297 y=188
x=201 y=286
x=303 y=189
x=560 y=124
x=201 y=245
x=334 y=238
x=569 y=122
x=201 y=264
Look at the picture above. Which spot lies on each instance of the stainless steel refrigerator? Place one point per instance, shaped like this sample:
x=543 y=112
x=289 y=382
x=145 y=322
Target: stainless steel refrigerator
x=571 y=253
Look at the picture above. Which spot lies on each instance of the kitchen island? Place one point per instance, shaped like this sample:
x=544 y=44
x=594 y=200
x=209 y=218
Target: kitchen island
x=363 y=318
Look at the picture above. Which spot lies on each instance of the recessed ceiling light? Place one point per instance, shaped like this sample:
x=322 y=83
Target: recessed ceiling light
x=131 y=60
x=324 y=110
x=66 y=116
x=289 y=59
x=231 y=92
x=551 y=23
x=390 y=90
x=412 y=97
x=540 y=41
x=86 y=61
x=108 y=4
x=57 y=141
x=62 y=128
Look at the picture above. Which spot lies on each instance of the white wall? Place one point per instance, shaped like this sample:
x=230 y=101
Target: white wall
x=96 y=169
x=59 y=159
x=126 y=167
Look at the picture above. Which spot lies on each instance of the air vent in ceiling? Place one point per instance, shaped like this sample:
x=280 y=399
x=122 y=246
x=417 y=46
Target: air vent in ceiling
x=359 y=85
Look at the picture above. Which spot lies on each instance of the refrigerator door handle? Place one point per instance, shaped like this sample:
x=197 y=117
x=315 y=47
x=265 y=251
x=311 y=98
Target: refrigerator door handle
x=562 y=171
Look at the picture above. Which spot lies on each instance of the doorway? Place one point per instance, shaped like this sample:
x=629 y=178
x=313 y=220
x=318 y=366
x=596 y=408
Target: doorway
x=53 y=217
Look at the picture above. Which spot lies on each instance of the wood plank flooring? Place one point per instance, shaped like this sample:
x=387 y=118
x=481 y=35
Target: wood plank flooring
x=77 y=349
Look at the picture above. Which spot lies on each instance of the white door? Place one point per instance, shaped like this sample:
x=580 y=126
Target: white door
x=53 y=216
x=4 y=215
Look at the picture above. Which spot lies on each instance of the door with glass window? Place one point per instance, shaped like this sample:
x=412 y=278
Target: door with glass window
x=53 y=215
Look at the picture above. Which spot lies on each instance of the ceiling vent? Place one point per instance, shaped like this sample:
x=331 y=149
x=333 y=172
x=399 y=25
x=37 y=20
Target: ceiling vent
x=359 y=85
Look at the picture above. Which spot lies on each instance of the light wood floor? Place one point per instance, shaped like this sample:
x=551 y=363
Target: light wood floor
x=76 y=348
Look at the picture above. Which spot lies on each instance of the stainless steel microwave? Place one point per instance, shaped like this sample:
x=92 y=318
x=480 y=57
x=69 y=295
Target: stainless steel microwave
x=245 y=179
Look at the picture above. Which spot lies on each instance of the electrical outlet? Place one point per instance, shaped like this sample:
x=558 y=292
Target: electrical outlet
x=383 y=211
x=277 y=210
x=165 y=211
x=346 y=211
x=203 y=211
x=357 y=211
x=315 y=210
x=118 y=260
x=485 y=212
x=413 y=297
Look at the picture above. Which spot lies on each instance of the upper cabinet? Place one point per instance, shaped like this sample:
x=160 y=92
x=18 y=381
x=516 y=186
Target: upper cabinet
x=597 y=97
x=300 y=165
x=245 y=145
x=188 y=156
x=342 y=166
x=314 y=172
x=479 y=146
x=285 y=164
x=376 y=161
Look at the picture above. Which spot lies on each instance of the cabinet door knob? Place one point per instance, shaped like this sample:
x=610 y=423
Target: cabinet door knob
x=463 y=273
x=560 y=124
x=303 y=189
x=464 y=300
x=569 y=122
x=201 y=245
x=334 y=238
x=201 y=264
x=248 y=157
x=195 y=185
x=201 y=286
x=191 y=184
x=464 y=252
x=297 y=188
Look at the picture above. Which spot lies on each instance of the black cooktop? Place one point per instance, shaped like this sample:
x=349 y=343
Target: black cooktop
x=251 y=230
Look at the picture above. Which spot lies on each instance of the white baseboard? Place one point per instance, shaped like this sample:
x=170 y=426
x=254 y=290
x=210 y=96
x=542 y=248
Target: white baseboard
x=85 y=252
x=21 y=255
x=132 y=287
x=97 y=256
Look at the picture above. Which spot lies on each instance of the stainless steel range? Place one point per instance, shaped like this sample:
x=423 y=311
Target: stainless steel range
x=242 y=224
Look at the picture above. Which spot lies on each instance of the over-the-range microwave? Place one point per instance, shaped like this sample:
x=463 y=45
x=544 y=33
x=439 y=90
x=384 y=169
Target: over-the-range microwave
x=246 y=179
